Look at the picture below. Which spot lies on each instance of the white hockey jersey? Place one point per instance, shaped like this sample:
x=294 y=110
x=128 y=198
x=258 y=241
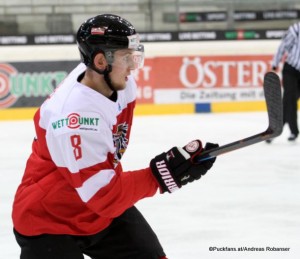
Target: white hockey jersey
x=73 y=182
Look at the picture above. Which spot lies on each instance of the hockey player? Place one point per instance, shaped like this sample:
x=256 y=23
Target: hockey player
x=74 y=198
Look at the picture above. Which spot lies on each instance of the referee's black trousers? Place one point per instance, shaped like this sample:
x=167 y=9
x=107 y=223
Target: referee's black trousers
x=291 y=94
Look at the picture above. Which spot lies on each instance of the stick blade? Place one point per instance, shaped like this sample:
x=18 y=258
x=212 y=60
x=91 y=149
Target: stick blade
x=272 y=91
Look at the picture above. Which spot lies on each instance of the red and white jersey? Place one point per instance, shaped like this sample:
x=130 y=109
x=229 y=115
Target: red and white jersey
x=73 y=181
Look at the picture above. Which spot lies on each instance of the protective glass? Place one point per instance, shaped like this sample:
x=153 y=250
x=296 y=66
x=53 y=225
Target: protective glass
x=127 y=58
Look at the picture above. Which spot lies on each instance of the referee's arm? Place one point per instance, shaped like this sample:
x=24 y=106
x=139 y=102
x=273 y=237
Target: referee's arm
x=289 y=45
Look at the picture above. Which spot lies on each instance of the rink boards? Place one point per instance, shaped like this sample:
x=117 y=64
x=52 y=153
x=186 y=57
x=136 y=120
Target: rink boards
x=196 y=77
x=151 y=109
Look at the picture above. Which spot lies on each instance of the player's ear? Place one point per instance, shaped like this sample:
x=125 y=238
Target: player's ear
x=100 y=61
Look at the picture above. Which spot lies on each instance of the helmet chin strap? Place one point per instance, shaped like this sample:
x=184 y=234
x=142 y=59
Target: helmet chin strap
x=105 y=73
x=107 y=79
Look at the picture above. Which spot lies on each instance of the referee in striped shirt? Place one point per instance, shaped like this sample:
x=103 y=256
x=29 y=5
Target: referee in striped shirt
x=289 y=50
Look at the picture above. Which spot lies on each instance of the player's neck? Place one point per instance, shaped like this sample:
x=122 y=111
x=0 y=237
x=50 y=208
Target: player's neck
x=96 y=82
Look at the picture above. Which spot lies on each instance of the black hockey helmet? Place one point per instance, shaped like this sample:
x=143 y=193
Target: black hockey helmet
x=106 y=33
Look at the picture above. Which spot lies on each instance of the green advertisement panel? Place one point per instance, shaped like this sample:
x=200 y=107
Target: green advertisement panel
x=28 y=84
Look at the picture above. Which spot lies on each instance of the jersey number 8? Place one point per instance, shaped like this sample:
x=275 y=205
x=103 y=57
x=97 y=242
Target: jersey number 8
x=76 y=142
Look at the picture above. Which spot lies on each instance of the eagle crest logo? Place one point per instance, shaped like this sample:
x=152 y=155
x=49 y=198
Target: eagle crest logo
x=120 y=141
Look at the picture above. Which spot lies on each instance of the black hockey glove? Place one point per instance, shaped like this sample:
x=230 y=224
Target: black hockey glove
x=179 y=166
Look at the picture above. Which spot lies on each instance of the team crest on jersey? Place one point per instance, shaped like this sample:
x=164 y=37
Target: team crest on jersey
x=120 y=141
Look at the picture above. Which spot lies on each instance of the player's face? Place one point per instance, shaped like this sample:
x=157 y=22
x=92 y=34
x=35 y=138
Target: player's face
x=125 y=61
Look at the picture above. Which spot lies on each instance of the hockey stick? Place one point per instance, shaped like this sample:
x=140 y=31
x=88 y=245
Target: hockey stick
x=272 y=91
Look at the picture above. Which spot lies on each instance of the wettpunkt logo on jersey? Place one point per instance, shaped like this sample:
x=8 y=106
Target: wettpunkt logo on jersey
x=14 y=84
x=7 y=99
x=75 y=121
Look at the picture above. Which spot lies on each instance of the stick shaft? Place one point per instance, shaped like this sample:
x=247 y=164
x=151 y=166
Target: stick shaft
x=235 y=145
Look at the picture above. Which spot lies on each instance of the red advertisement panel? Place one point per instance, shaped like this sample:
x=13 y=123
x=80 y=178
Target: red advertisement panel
x=201 y=73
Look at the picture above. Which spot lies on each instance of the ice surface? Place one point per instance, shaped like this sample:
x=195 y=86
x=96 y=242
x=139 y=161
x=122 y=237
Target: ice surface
x=251 y=198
